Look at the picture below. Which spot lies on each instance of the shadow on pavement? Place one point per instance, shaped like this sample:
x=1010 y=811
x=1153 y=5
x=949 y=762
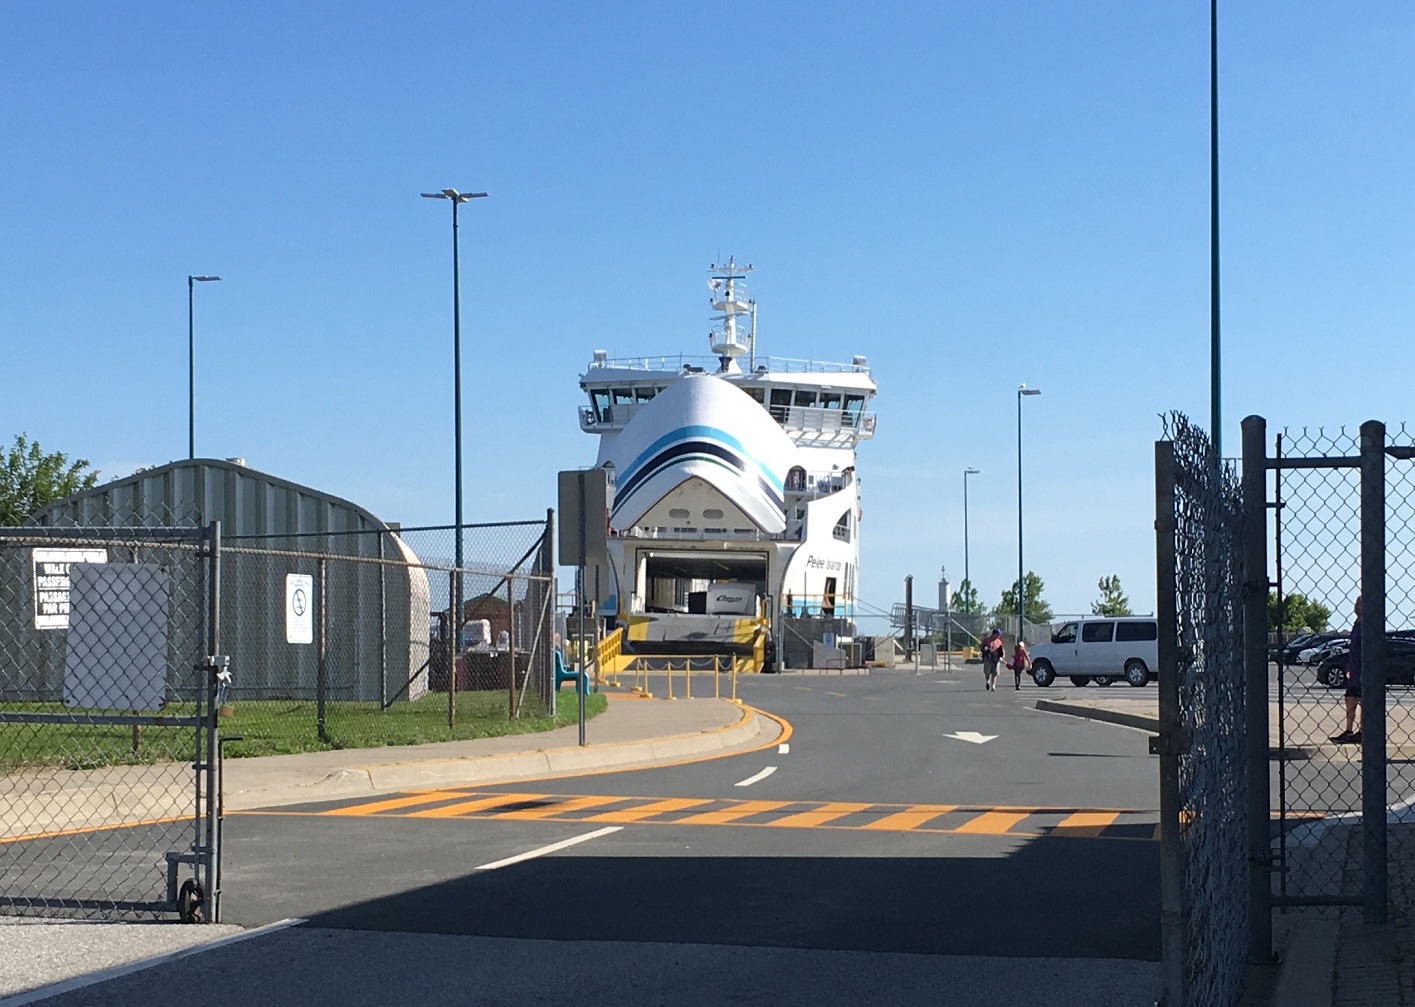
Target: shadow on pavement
x=1071 y=897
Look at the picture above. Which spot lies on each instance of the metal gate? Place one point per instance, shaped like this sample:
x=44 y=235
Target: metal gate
x=110 y=786
x=1342 y=504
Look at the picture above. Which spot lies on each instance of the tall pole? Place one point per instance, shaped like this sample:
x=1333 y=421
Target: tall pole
x=192 y=281
x=967 y=579
x=457 y=396
x=1215 y=413
x=455 y=604
x=191 y=370
x=1021 y=583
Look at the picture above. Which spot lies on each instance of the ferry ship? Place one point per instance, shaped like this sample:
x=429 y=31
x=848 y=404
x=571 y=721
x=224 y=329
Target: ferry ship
x=735 y=504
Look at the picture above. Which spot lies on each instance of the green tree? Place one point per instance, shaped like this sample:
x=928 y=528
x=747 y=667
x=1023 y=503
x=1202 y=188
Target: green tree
x=965 y=600
x=1300 y=612
x=1112 y=600
x=30 y=479
x=1034 y=607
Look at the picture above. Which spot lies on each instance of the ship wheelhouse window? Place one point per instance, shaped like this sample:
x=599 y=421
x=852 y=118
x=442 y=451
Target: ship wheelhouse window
x=806 y=397
x=757 y=393
x=780 y=404
x=830 y=400
x=854 y=406
x=599 y=398
x=645 y=394
x=623 y=396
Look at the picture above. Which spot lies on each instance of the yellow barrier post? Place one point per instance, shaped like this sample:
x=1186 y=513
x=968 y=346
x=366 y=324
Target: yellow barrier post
x=668 y=674
x=734 y=681
x=716 y=679
x=688 y=679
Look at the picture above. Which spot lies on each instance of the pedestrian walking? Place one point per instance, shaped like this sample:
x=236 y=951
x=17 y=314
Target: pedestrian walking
x=992 y=657
x=1352 y=734
x=1021 y=661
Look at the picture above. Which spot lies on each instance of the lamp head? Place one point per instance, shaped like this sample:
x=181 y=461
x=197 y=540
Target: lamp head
x=970 y=472
x=1022 y=389
x=203 y=279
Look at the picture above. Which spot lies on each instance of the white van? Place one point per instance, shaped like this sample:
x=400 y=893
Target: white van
x=1100 y=649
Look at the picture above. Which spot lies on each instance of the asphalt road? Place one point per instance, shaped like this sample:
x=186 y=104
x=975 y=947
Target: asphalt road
x=883 y=859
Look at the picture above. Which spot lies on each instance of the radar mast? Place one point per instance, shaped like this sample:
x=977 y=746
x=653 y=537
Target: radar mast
x=729 y=299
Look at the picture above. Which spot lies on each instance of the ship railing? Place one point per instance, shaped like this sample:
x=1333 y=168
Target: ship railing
x=824 y=421
x=675 y=363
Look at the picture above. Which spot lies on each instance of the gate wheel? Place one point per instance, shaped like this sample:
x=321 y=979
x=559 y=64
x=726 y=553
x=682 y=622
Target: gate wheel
x=190 y=902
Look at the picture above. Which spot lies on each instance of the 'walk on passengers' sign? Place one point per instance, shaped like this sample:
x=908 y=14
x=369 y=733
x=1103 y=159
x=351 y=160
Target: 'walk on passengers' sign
x=51 y=583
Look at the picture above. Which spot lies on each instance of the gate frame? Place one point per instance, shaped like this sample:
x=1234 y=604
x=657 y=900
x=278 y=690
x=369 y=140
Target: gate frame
x=198 y=899
x=1370 y=462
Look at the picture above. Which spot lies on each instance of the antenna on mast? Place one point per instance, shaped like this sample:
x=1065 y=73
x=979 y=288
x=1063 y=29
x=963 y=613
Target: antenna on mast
x=729 y=299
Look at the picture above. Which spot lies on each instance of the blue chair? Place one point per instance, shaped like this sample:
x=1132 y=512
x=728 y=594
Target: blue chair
x=564 y=675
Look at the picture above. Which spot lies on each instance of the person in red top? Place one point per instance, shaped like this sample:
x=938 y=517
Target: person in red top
x=992 y=657
x=1021 y=661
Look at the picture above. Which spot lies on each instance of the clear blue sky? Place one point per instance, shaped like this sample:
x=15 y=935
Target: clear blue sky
x=972 y=195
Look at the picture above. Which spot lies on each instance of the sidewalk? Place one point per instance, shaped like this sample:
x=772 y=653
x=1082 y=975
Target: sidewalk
x=1329 y=957
x=631 y=733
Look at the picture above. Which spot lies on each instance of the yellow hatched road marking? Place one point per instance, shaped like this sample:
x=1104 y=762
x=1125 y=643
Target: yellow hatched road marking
x=647 y=810
x=1086 y=824
x=825 y=813
x=481 y=804
x=741 y=810
x=992 y=823
x=396 y=803
x=574 y=804
x=917 y=815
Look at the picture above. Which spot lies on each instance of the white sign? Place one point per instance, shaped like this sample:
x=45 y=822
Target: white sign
x=116 y=653
x=299 y=608
x=51 y=583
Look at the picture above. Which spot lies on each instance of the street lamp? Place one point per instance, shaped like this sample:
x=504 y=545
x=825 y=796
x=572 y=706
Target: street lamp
x=1022 y=390
x=457 y=199
x=966 y=473
x=192 y=281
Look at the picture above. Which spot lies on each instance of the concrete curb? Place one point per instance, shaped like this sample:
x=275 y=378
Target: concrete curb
x=434 y=773
x=1136 y=720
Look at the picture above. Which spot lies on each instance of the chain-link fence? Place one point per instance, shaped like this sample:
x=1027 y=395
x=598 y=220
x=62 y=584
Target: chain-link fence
x=1343 y=502
x=107 y=742
x=1203 y=813
x=349 y=640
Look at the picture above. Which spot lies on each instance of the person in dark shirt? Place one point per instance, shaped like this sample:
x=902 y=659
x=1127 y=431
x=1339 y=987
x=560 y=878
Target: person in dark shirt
x=1352 y=734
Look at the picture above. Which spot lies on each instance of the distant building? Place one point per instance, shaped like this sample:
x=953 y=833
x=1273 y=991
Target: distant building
x=377 y=601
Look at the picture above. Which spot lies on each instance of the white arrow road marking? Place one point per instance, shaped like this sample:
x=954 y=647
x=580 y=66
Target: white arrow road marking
x=756 y=778
x=783 y=749
x=531 y=854
x=972 y=736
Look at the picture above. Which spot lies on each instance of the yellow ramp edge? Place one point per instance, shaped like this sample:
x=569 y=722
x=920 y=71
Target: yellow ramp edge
x=903 y=821
x=825 y=813
x=648 y=810
x=481 y=804
x=992 y=823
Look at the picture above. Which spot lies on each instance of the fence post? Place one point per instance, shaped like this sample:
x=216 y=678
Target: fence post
x=1255 y=664
x=454 y=629
x=1373 y=671
x=511 y=642
x=1173 y=922
x=322 y=678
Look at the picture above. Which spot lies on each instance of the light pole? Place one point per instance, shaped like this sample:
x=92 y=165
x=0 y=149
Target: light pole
x=1022 y=390
x=192 y=281
x=966 y=473
x=457 y=198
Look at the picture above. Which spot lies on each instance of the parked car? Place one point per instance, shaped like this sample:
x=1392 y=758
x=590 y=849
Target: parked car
x=1287 y=655
x=1400 y=664
x=1099 y=649
x=1314 y=656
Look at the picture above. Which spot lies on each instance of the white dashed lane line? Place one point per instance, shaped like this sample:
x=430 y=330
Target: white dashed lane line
x=756 y=778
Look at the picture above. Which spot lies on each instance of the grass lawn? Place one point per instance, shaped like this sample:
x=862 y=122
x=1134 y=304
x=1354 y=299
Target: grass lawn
x=279 y=727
